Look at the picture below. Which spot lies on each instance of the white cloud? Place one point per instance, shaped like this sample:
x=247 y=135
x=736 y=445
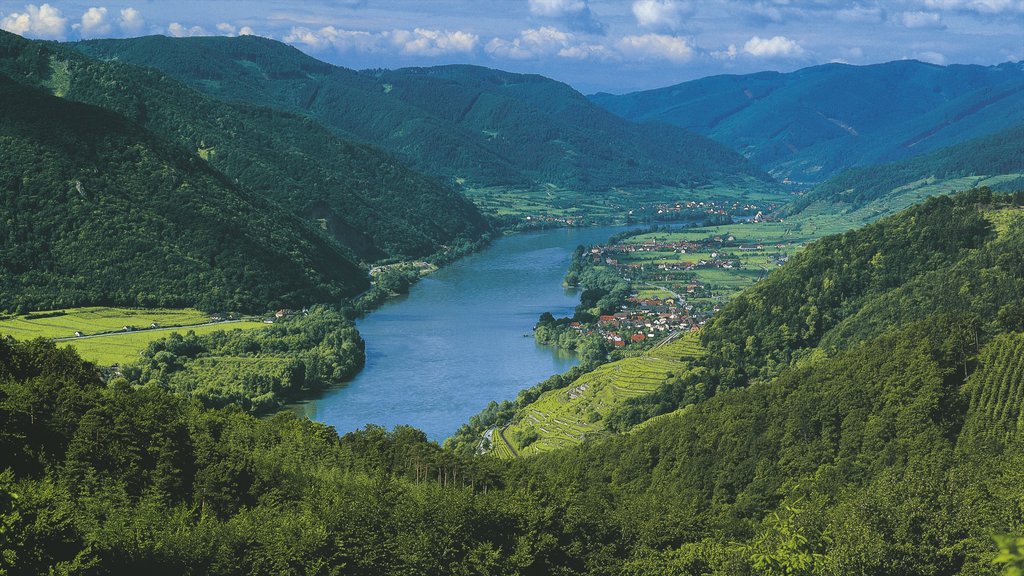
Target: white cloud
x=246 y=31
x=727 y=54
x=532 y=43
x=131 y=21
x=423 y=42
x=979 y=6
x=575 y=13
x=227 y=29
x=931 y=57
x=178 y=30
x=921 y=20
x=659 y=14
x=417 y=42
x=44 y=21
x=655 y=46
x=771 y=47
x=94 y=23
x=861 y=15
x=331 y=37
x=557 y=8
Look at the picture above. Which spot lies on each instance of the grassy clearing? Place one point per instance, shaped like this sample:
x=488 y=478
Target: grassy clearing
x=115 y=346
x=901 y=198
x=95 y=320
x=1003 y=219
x=124 y=347
x=564 y=417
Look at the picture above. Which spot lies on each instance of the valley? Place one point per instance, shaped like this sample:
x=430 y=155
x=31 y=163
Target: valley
x=262 y=313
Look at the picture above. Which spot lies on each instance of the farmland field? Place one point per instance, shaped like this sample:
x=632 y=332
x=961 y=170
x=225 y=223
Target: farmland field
x=114 y=345
x=124 y=347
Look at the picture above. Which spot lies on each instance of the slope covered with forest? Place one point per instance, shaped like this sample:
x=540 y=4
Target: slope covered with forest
x=809 y=124
x=471 y=125
x=858 y=412
x=364 y=198
x=97 y=210
x=996 y=160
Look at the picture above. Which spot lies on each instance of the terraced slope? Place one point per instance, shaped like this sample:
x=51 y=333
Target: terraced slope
x=565 y=417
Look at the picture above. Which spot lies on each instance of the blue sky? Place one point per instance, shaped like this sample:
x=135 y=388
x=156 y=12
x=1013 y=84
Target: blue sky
x=594 y=45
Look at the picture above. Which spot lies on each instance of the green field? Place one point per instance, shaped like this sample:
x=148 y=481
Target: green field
x=95 y=320
x=115 y=346
x=566 y=416
x=900 y=198
x=548 y=201
x=124 y=347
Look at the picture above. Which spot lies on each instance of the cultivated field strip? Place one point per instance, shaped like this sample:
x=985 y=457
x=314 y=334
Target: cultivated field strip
x=997 y=392
x=565 y=417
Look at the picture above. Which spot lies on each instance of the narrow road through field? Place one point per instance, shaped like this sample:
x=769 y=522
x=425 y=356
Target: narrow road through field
x=122 y=332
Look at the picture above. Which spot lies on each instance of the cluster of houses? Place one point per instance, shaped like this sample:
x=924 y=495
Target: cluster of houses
x=642 y=319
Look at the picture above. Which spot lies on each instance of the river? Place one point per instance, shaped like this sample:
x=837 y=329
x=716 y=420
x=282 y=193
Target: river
x=461 y=338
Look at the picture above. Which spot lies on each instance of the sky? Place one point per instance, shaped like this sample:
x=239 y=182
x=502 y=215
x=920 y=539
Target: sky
x=615 y=46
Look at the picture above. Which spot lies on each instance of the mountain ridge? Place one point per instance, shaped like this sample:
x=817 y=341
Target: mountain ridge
x=810 y=123
x=409 y=113
x=362 y=196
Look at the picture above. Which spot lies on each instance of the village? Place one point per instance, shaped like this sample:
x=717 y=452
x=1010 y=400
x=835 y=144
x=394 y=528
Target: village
x=678 y=281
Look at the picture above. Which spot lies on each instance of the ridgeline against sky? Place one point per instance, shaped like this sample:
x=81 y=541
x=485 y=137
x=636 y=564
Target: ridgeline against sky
x=595 y=45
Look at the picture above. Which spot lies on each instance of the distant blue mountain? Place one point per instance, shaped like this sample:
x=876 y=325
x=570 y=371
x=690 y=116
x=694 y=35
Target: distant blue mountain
x=809 y=124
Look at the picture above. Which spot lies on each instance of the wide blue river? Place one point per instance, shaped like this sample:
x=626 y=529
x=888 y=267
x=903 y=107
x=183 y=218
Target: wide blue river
x=461 y=338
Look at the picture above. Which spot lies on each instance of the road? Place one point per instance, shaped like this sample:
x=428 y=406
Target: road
x=122 y=332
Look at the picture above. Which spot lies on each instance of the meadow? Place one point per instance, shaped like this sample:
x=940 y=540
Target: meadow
x=106 y=342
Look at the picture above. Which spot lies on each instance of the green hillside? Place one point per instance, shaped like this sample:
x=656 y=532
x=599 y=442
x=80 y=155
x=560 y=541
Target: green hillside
x=801 y=447
x=809 y=124
x=996 y=161
x=475 y=126
x=97 y=210
x=364 y=198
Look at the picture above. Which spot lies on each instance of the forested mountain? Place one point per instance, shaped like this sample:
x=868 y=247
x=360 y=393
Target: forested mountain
x=808 y=124
x=368 y=201
x=472 y=125
x=898 y=184
x=97 y=210
x=859 y=413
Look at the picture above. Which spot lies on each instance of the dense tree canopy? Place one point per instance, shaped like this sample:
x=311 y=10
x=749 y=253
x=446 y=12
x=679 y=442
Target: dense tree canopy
x=100 y=211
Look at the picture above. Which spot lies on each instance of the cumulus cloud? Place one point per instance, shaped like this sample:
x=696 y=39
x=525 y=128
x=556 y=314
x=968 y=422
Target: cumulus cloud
x=978 y=6
x=772 y=47
x=532 y=43
x=654 y=47
x=331 y=37
x=660 y=14
x=729 y=53
x=546 y=41
x=43 y=21
x=179 y=30
x=131 y=21
x=94 y=23
x=576 y=14
x=417 y=42
x=921 y=20
x=423 y=42
x=861 y=15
